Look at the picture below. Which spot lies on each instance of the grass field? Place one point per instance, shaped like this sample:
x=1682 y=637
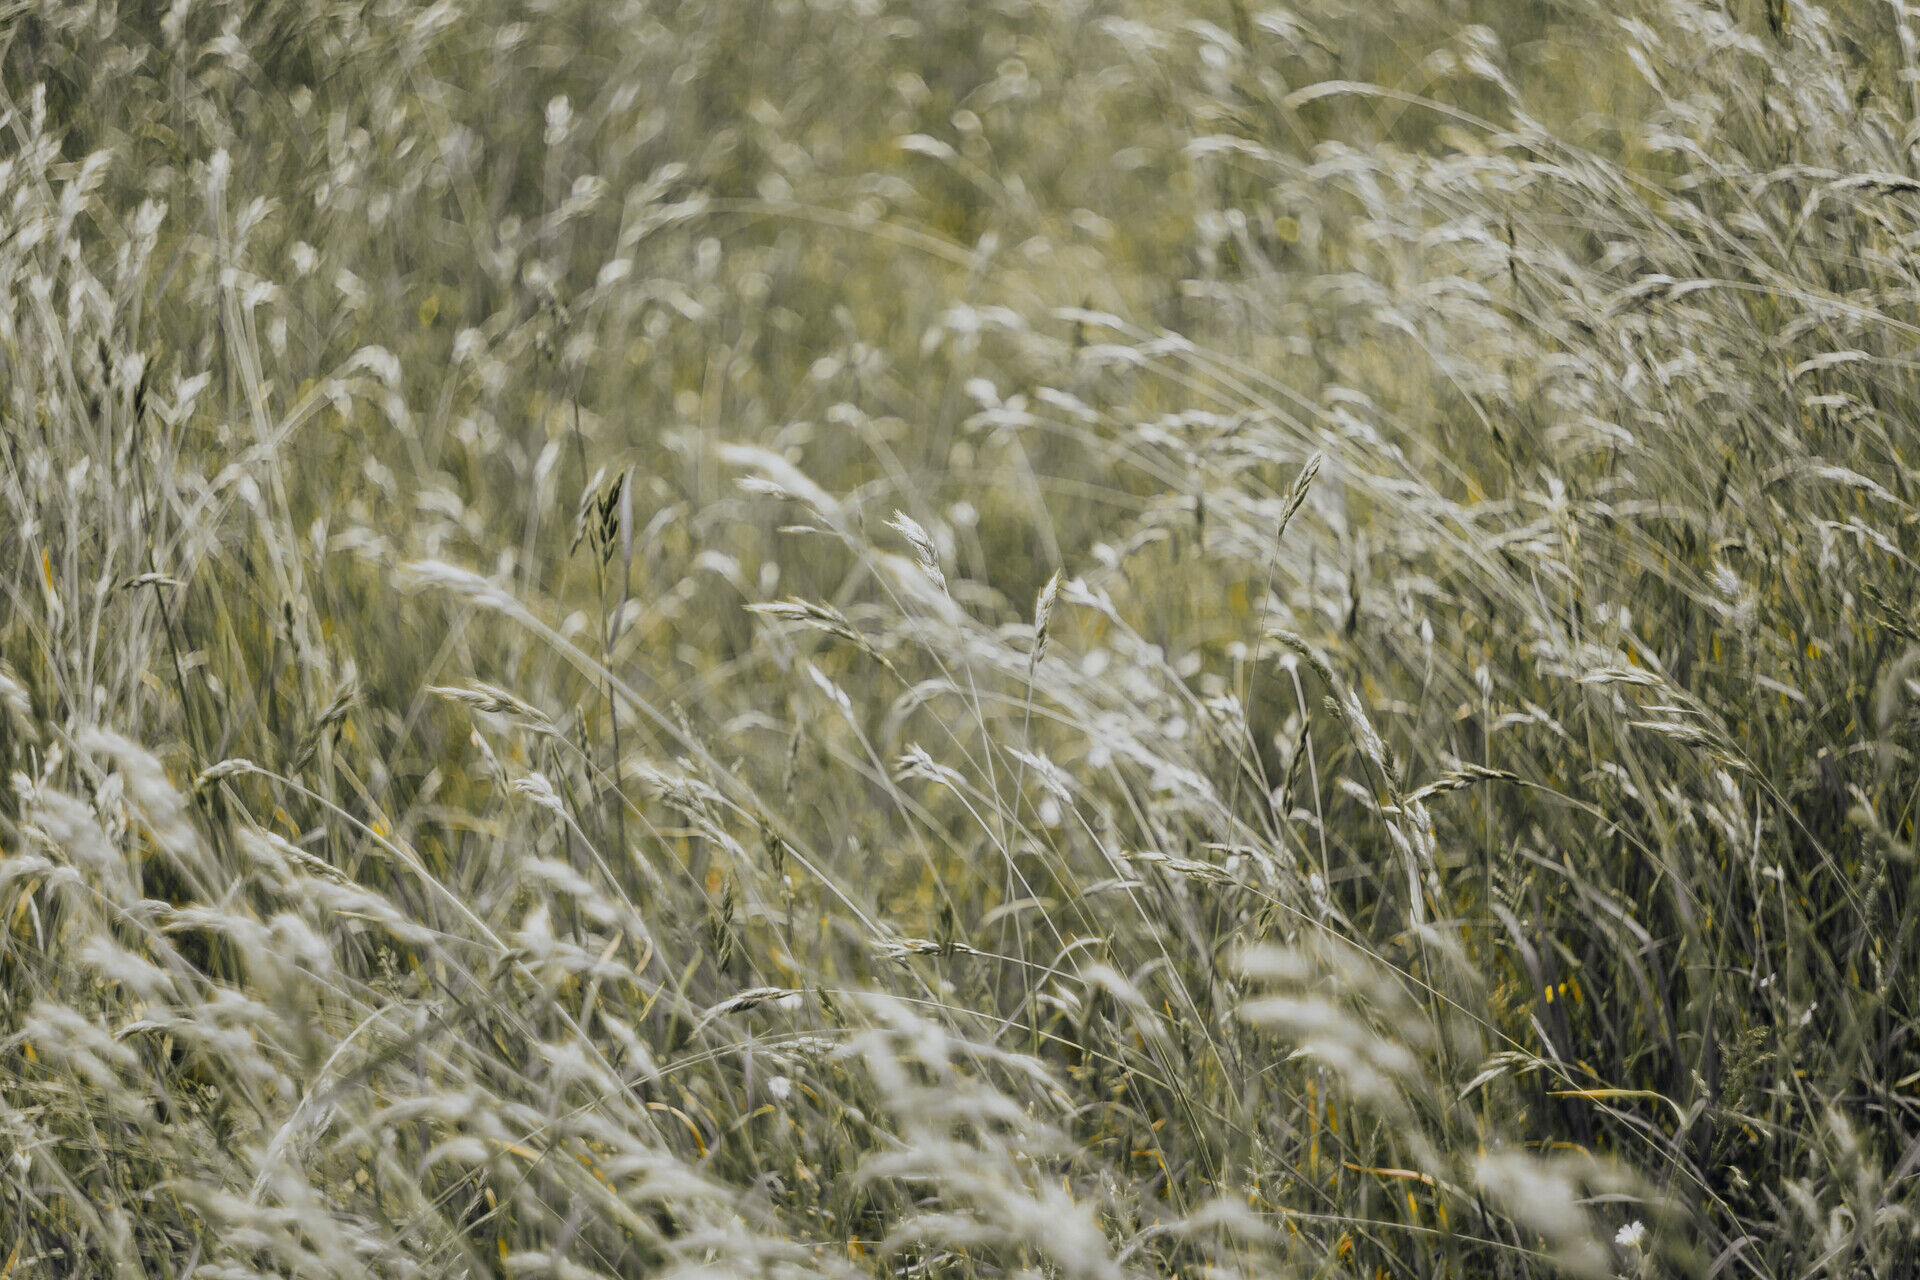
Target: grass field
x=1013 y=639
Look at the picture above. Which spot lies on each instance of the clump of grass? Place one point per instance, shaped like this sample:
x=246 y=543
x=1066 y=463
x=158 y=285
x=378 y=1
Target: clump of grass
x=876 y=639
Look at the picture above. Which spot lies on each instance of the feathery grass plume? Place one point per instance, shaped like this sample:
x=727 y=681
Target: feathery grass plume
x=1297 y=496
x=537 y=788
x=1614 y=371
x=150 y=580
x=418 y=575
x=1057 y=781
x=823 y=617
x=917 y=763
x=900 y=948
x=742 y=1001
x=1463 y=776
x=1378 y=1070
x=17 y=704
x=161 y=809
x=775 y=477
x=1543 y=1199
x=230 y=768
x=1306 y=649
x=924 y=551
x=494 y=700
x=1188 y=868
x=329 y=716
x=983 y=1155
x=1043 y=619
x=604 y=516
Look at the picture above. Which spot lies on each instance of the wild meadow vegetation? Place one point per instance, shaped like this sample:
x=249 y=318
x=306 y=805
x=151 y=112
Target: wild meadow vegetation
x=883 y=637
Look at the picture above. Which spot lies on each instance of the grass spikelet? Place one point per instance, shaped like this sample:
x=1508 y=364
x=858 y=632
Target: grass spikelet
x=1043 y=619
x=496 y=701
x=822 y=617
x=1297 y=496
x=1188 y=868
x=924 y=551
x=1461 y=778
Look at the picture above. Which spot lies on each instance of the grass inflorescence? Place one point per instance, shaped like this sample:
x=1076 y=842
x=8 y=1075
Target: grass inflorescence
x=873 y=637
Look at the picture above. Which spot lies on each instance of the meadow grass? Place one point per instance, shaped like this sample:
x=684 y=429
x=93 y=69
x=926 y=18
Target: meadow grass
x=876 y=637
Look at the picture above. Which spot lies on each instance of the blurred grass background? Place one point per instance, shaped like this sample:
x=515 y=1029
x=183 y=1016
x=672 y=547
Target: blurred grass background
x=1011 y=639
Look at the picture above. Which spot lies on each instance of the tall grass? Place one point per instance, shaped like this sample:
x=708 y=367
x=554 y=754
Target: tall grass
x=871 y=637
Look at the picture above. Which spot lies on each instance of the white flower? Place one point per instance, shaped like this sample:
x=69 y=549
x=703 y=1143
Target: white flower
x=1631 y=1236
